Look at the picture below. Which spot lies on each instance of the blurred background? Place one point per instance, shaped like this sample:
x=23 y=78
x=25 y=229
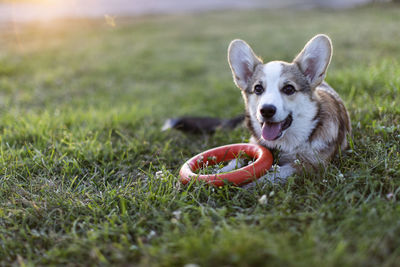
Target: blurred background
x=57 y=54
x=24 y=10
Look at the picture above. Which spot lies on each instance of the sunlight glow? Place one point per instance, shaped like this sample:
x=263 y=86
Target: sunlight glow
x=44 y=10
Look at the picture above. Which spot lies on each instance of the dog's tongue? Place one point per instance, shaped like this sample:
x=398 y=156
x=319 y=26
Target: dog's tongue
x=270 y=131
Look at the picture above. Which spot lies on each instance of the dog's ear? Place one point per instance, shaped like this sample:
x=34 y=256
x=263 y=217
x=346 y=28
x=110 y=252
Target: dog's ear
x=243 y=62
x=314 y=59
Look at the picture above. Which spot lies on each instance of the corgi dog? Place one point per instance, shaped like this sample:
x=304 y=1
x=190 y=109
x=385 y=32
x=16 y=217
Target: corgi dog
x=288 y=107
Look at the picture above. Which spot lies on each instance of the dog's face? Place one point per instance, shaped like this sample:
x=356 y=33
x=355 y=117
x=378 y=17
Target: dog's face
x=279 y=96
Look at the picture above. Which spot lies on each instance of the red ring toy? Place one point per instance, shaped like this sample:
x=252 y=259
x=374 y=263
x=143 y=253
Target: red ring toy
x=238 y=177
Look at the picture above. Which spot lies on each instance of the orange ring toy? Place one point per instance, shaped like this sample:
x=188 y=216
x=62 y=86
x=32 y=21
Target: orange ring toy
x=216 y=155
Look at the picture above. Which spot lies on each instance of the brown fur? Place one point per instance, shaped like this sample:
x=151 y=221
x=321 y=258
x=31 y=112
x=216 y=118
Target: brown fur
x=331 y=111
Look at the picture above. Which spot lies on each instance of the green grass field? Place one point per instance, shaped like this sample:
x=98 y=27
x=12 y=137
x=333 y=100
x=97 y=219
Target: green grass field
x=82 y=104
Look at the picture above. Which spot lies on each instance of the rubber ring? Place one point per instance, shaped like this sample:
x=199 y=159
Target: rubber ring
x=237 y=177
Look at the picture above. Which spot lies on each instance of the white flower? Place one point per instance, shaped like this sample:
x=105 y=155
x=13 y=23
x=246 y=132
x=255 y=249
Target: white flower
x=151 y=234
x=263 y=200
x=275 y=167
x=159 y=174
x=177 y=214
x=389 y=196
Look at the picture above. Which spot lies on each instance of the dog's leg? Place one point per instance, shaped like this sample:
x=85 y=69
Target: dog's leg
x=277 y=174
x=233 y=164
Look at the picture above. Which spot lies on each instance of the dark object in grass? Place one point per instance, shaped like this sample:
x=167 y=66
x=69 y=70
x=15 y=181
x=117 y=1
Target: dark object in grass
x=202 y=125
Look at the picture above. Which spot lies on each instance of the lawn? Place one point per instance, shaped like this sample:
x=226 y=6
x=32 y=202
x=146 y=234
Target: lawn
x=88 y=178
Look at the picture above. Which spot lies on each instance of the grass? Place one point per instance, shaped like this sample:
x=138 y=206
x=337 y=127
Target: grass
x=82 y=104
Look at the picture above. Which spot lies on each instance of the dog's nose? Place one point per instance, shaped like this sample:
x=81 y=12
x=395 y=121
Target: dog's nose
x=268 y=111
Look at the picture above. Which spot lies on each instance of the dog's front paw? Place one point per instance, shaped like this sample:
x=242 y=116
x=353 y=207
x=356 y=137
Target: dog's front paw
x=277 y=175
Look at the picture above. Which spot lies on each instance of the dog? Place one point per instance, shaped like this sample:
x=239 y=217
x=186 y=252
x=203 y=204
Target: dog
x=289 y=107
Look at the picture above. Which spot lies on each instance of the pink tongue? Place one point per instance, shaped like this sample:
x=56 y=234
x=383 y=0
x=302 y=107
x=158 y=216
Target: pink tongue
x=270 y=131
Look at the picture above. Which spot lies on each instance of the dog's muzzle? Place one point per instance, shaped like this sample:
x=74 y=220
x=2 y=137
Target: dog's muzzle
x=273 y=130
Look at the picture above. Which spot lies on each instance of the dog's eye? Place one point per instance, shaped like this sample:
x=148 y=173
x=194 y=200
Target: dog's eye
x=288 y=89
x=258 y=89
